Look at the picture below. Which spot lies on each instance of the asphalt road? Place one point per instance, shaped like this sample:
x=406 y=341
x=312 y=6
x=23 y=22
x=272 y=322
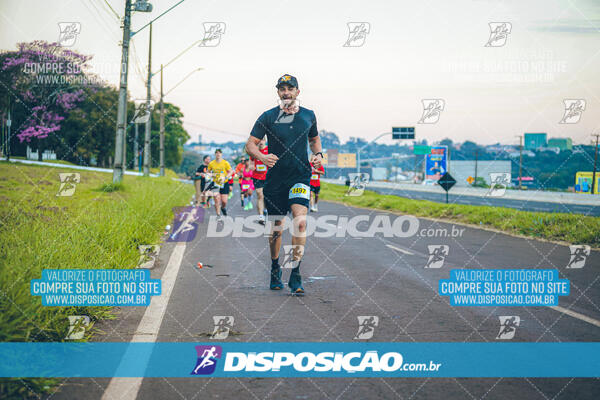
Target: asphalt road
x=346 y=277
x=524 y=205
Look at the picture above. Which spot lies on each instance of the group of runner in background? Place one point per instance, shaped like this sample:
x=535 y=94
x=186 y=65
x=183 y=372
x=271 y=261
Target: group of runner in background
x=215 y=179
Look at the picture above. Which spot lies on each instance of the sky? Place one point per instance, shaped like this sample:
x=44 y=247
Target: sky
x=413 y=51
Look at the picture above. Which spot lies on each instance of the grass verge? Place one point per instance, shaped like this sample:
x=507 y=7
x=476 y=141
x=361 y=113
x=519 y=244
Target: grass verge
x=570 y=228
x=99 y=226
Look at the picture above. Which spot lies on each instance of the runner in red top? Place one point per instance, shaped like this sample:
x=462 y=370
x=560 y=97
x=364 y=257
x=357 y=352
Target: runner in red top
x=238 y=173
x=258 y=177
x=247 y=185
x=315 y=186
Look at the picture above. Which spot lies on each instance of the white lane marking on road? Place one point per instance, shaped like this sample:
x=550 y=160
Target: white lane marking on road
x=576 y=315
x=147 y=330
x=400 y=250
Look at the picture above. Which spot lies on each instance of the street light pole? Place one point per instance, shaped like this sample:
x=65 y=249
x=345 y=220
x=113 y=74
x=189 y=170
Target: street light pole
x=520 y=160
x=119 y=168
x=136 y=148
x=162 y=126
x=148 y=109
x=595 y=160
x=475 y=167
x=361 y=149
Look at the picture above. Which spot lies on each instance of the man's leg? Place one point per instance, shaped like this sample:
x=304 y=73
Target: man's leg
x=275 y=239
x=274 y=246
x=299 y=212
x=198 y=192
x=260 y=201
x=217 y=200
x=224 y=203
x=299 y=233
x=312 y=199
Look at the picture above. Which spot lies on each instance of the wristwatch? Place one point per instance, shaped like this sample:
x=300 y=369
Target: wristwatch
x=319 y=153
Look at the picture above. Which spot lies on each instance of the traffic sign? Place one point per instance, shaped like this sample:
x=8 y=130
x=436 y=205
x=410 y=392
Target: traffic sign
x=403 y=132
x=446 y=182
x=418 y=149
x=470 y=179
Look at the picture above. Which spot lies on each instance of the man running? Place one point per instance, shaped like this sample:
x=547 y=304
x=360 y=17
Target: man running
x=289 y=128
x=221 y=171
x=238 y=172
x=200 y=182
x=258 y=178
x=315 y=186
x=247 y=186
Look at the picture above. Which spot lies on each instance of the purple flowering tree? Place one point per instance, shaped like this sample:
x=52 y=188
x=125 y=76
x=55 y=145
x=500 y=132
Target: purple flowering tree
x=48 y=81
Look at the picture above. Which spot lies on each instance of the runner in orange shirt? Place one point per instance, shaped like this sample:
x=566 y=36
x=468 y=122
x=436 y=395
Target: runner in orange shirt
x=258 y=177
x=315 y=186
x=238 y=172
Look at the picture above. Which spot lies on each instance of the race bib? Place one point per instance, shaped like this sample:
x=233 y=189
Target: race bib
x=315 y=177
x=245 y=186
x=300 y=190
x=261 y=167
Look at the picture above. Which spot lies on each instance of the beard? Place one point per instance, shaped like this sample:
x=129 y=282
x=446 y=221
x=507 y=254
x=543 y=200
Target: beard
x=289 y=106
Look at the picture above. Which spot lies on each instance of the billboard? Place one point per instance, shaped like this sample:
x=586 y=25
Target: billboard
x=332 y=157
x=436 y=162
x=346 y=160
x=583 y=182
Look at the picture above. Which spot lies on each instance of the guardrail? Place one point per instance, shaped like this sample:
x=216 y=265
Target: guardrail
x=54 y=165
x=526 y=195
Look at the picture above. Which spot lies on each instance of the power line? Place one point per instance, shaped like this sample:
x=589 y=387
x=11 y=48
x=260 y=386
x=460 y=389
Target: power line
x=112 y=9
x=215 y=130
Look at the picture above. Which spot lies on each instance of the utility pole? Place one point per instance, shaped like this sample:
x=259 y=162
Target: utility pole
x=520 y=160
x=119 y=168
x=162 y=126
x=595 y=160
x=8 y=124
x=149 y=122
x=136 y=148
x=476 y=154
x=124 y=163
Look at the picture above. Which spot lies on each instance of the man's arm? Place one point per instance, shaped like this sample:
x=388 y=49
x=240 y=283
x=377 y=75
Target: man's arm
x=315 y=147
x=252 y=149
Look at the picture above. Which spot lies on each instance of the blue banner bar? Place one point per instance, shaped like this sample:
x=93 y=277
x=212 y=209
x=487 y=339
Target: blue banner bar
x=299 y=359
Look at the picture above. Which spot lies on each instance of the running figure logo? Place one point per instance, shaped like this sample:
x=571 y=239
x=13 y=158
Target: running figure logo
x=207 y=359
x=437 y=255
x=77 y=327
x=579 y=254
x=212 y=34
x=499 y=182
x=366 y=326
x=148 y=254
x=573 y=110
x=357 y=34
x=358 y=183
x=68 y=181
x=508 y=327
x=292 y=254
x=185 y=223
x=68 y=33
x=223 y=324
x=498 y=34
x=143 y=110
x=432 y=109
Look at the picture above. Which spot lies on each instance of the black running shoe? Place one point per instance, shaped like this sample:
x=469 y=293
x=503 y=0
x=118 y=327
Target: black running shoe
x=276 y=283
x=295 y=283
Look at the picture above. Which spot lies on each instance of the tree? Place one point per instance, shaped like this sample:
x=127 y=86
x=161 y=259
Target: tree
x=46 y=81
x=175 y=136
x=190 y=162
